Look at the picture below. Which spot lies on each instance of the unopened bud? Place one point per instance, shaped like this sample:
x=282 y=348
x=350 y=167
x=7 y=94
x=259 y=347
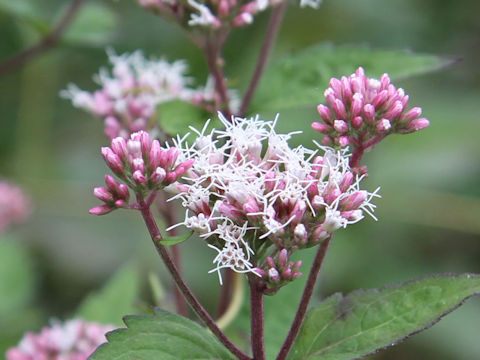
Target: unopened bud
x=383 y=126
x=321 y=127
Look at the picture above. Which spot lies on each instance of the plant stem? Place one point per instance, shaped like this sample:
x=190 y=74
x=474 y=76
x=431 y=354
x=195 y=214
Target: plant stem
x=357 y=155
x=17 y=60
x=213 y=54
x=256 y=320
x=226 y=292
x=167 y=210
x=189 y=296
x=268 y=41
x=305 y=300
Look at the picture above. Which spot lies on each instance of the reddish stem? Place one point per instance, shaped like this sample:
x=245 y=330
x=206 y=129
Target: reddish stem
x=48 y=42
x=213 y=54
x=226 y=292
x=268 y=41
x=189 y=296
x=305 y=300
x=257 y=320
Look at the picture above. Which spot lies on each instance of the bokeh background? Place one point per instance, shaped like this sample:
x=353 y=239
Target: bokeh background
x=430 y=207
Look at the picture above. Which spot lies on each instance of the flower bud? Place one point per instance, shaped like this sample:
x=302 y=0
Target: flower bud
x=324 y=112
x=343 y=141
x=341 y=126
x=418 y=124
x=102 y=194
x=101 y=210
x=282 y=258
x=383 y=126
x=119 y=147
x=112 y=160
x=321 y=127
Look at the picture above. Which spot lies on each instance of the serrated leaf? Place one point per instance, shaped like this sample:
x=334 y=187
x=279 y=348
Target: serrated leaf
x=173 y=240
x=113 y=301
x=300 y=79
x=162 y=336
x=93 y=25
x=359 y=324
x=16 y=276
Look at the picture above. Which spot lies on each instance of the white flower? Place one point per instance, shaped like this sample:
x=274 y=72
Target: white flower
x=204 y=17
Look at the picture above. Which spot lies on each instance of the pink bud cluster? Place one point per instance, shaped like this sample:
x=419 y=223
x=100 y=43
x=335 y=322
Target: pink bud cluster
x=115 y=196
x=361 y=111
x=14 y=205
x=279 y=271
x=72 y=340
x=213 y=14
x=249 y=190
x=142 y=164
x=129 y=97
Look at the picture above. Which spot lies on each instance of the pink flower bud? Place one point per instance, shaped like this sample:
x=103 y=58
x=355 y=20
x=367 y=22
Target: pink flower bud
x=330 y=97
x=369 y=111
x=112 y=127
x=170 y=177
x=251 y=206
x=347 y=90
x=341 y=126
x=385 y=81
x=158 y=176
x=134 y=147
x=324 y=112
x=297 y=265
x=357 y=104
x=260 y=272
x=347 y=181
x=357 y=122
x=139 y=177
x=145 y=142
x=137 y=165
x=353 y=201
x=184 y=167
x=326 y=141
x=319 y=235
x=273 y=275
x=120 y=203
x=411 y=114
x=112 y=160
x=336 y=86
x=395 y=110
x=155 y=154
x=300 y=233
x=330 y=194
x=380 y=99
x=230 y=211
x=270 y=262
x=343 y=141
x=321 y=127
x=298 y=211
x=352 y=215
x=339 y=109
x=282 y=258
x=418 y=124
x=112 y=184
x=122 y=191
x=119 y=147
x=287 y=274
x=243 y=19
x=383 y=126
x=172 y=155
x=101 y=210
x=223 y=8
x=357 y=85
x=102 y=194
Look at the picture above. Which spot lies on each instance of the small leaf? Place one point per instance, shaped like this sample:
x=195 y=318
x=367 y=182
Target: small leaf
x=361 y=323
x=173 y=240
x=163 y=336
x=16 y=276
x=93 y=25
x=113 y=301
x=300 y=79
x=176 y=116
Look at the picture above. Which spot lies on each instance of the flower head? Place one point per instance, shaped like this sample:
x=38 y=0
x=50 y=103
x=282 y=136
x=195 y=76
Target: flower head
x=361 y=111
x=72 y=340
x=249 y=191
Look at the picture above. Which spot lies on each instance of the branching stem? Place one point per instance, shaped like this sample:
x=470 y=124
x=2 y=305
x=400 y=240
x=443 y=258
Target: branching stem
x=305 y=300
x=189 y=296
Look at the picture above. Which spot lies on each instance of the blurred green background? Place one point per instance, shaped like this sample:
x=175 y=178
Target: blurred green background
x=430 y=207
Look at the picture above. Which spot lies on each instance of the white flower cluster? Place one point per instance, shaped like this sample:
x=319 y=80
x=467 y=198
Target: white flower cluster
x=248 y=189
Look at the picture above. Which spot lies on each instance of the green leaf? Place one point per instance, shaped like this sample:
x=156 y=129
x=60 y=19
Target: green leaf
x=300 y=79
x=113 y=301
x=163 y=336
x=176 y=116
x=26 y=11
x=93 y=25
x=16 y=277
x=173 y=240
x=361 y=323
